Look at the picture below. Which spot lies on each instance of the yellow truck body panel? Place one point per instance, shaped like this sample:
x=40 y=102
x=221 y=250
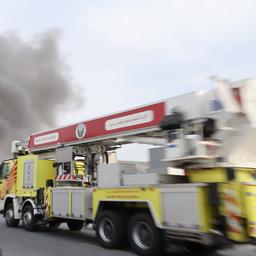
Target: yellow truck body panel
x=153 y=197
x=37 y=172
x=205 y=210
x=245 y=175
x=249 y=200
x=207 y=175
x=149 y=195
x=220 y=175
x=8 y=182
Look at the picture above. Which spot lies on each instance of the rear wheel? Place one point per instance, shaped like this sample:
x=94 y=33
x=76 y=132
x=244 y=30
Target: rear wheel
x=29 y=219
x=110 y=229
x=75 y=225
x=145 y=238
x=9 y=217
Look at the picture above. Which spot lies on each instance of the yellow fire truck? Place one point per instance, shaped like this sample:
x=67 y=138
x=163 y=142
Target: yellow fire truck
x=66 y=175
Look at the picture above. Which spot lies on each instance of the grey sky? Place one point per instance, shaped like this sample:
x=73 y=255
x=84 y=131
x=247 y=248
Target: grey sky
x=127 y=53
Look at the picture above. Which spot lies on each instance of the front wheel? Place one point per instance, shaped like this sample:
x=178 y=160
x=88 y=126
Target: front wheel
x=29 y=219
x=9 y=217
x=145 y=238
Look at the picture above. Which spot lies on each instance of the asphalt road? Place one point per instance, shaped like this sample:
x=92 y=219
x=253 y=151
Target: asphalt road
x=61 y=242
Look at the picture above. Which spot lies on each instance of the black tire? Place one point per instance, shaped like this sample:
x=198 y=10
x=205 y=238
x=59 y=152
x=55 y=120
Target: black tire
x=145 y=238
x=9 y=217
x=111 y=230
x=75 y=225
x=29 y=219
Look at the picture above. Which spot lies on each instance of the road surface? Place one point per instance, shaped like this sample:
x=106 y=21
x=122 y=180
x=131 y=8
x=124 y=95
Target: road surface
x=60 y=241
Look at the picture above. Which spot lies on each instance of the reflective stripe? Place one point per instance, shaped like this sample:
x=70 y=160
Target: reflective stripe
x=68 y=177
x=233 y=211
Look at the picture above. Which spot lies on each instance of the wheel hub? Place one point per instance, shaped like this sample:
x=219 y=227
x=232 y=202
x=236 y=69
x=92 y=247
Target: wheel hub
x=27 y=217
x=142 y=235
x=9 y=215
x=106 y=230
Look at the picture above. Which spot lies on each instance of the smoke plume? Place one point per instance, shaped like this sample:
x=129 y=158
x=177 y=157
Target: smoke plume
x=35 y=84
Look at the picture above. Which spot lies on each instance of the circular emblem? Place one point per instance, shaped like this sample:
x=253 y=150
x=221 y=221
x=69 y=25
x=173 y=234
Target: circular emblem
x=80 y=131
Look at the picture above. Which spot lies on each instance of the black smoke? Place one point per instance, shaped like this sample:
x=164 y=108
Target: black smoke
x=35 y=85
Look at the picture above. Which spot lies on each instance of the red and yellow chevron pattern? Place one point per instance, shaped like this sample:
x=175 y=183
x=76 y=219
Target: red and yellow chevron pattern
x=10 y=182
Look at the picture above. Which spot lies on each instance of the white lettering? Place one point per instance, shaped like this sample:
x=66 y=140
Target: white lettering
x=130 y=120
x=46 y=138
